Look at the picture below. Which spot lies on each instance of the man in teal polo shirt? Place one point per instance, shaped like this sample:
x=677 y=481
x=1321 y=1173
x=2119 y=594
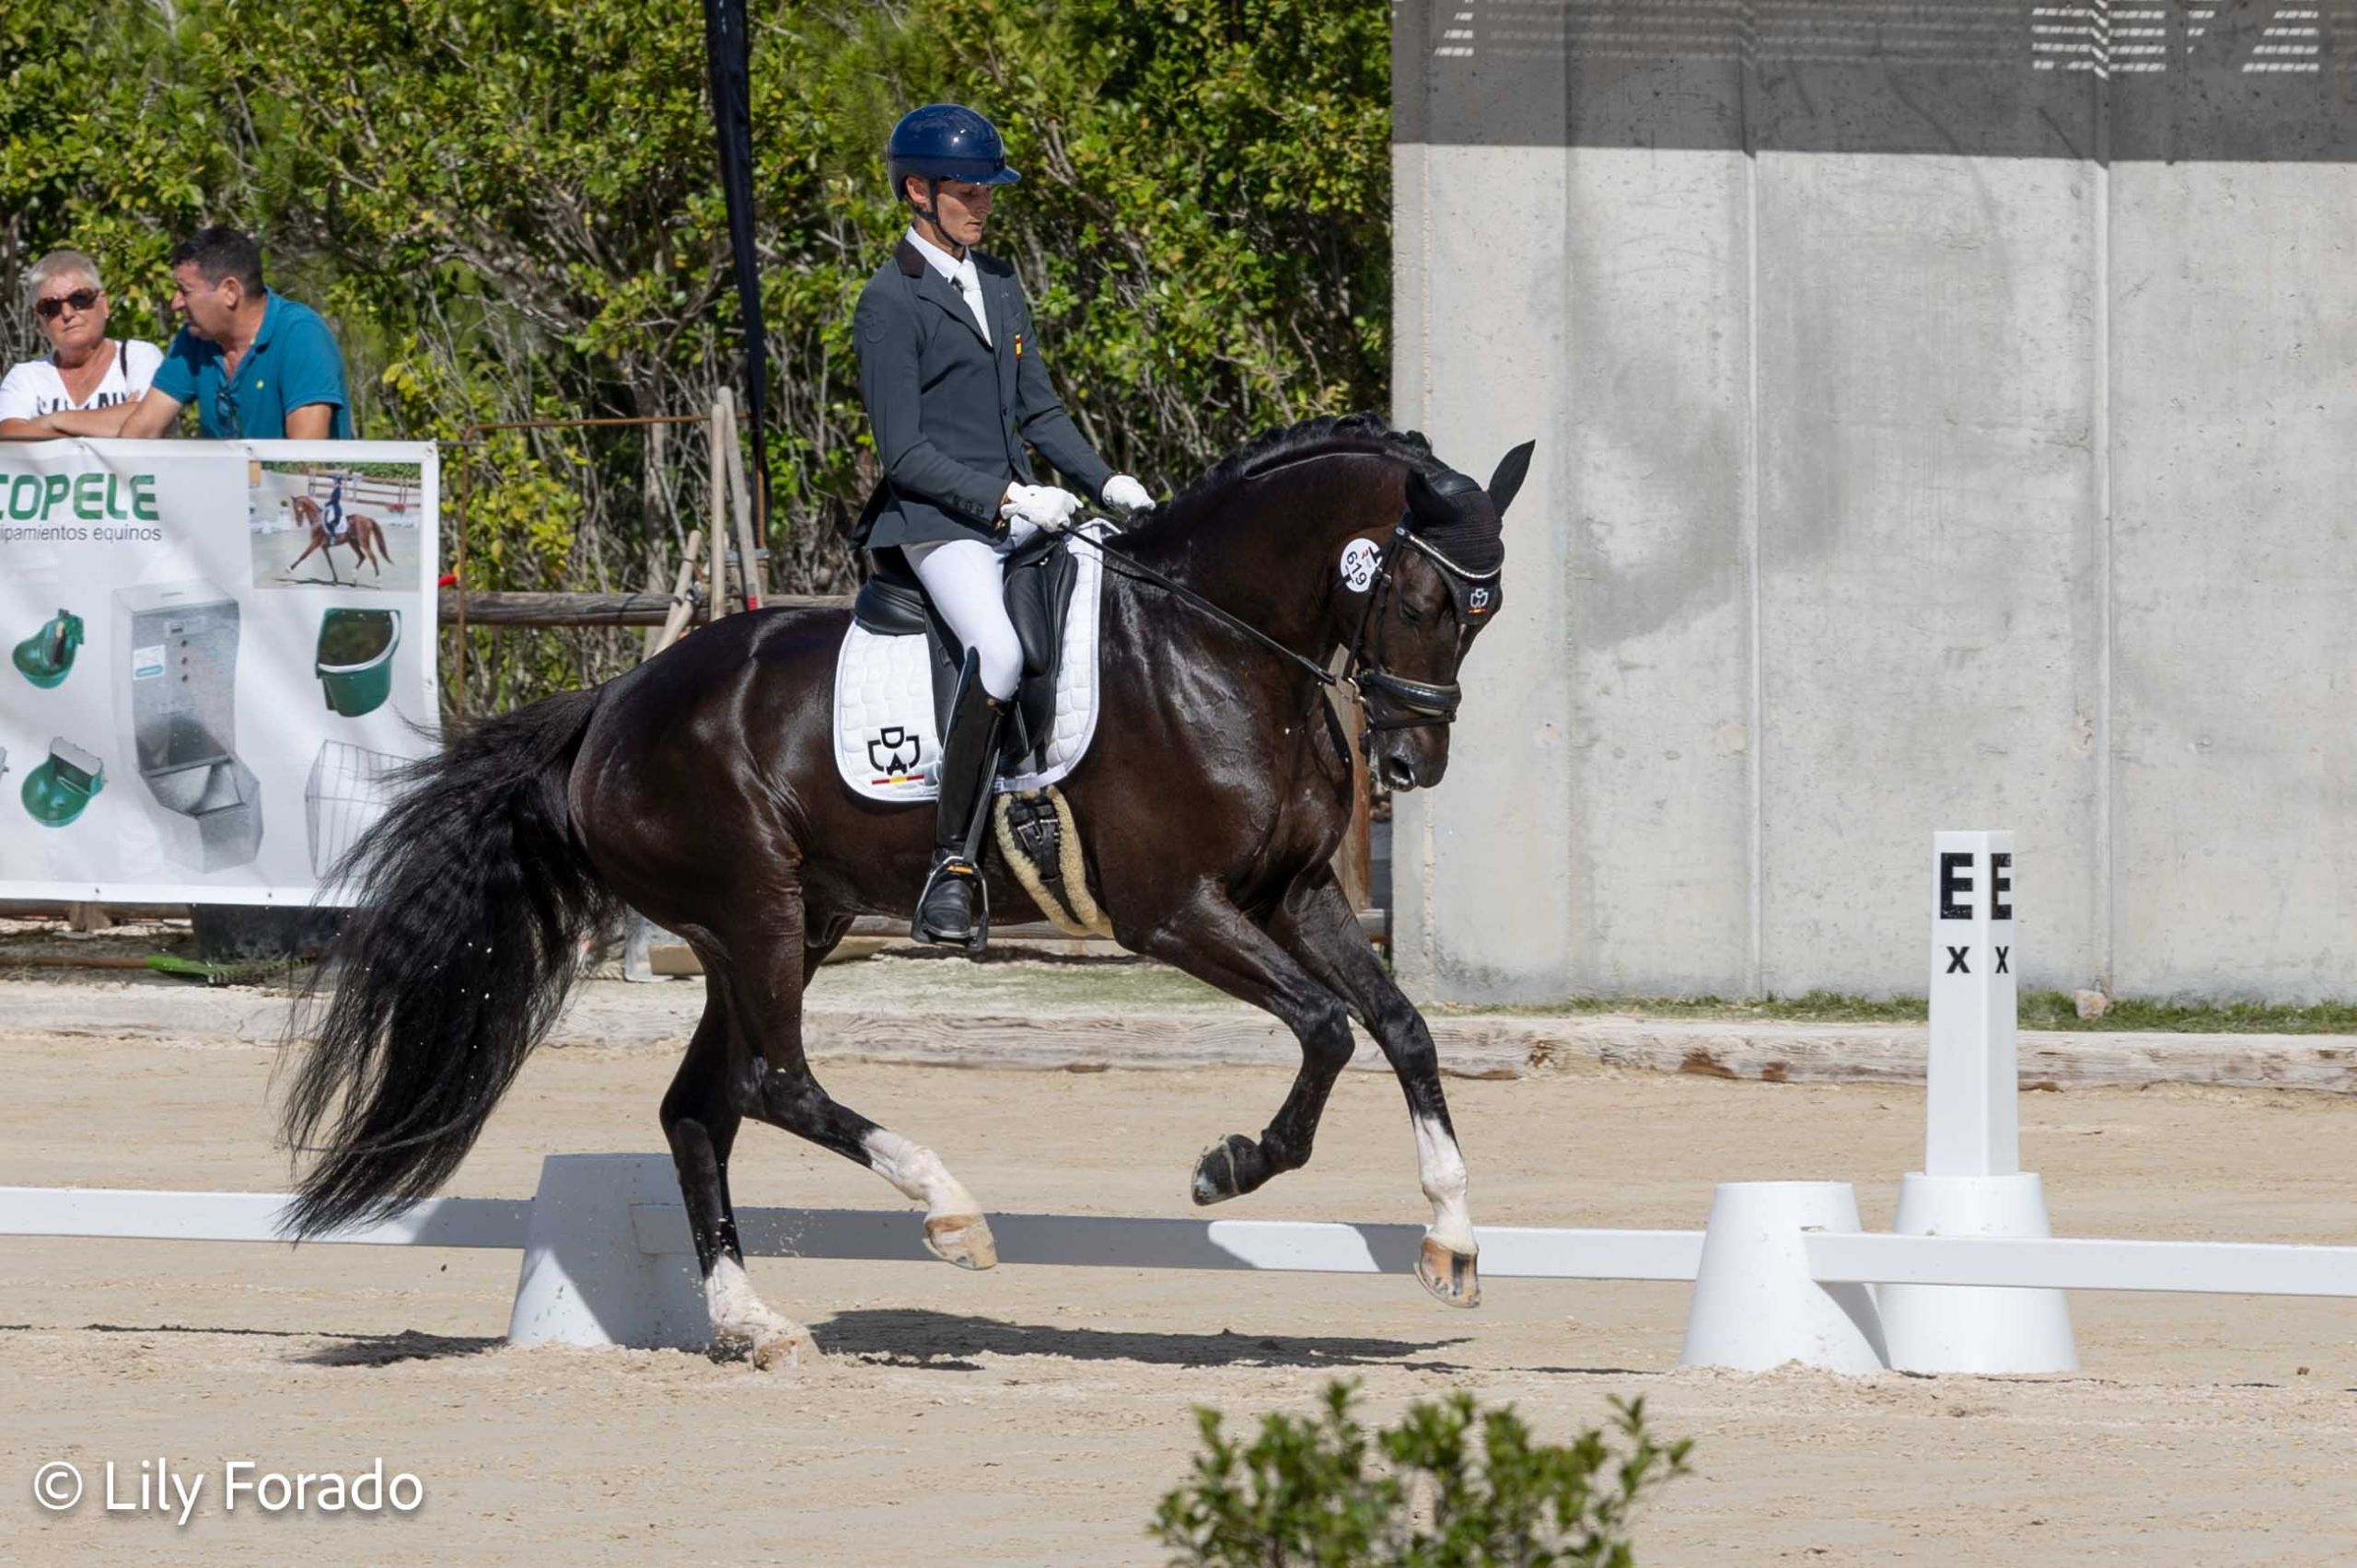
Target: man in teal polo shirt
x=258 y=366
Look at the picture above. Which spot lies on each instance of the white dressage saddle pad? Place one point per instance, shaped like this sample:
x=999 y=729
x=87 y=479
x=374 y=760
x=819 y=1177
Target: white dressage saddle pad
x=887 y=744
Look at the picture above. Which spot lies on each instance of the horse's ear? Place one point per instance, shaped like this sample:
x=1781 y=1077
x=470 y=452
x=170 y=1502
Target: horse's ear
x=1506 y=483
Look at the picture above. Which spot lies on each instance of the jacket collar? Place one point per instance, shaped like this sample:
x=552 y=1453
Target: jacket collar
x=940 y=290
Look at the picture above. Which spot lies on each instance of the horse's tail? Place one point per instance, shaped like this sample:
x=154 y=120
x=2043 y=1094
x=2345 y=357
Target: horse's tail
x=475 y=894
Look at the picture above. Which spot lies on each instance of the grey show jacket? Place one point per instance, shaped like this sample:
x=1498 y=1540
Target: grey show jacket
x=951 y=412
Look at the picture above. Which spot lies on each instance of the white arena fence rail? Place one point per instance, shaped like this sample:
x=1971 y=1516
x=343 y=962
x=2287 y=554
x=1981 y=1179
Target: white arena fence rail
x=1969 y=1281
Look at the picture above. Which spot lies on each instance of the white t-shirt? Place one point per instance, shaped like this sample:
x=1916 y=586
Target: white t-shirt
x=33 y=387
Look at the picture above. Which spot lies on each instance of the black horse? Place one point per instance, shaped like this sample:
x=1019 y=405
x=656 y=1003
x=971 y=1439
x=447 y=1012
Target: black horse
x=700 y=790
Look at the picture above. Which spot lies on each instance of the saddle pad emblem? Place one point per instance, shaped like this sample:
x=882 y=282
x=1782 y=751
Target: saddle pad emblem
x=893 y=752
x=888 y=745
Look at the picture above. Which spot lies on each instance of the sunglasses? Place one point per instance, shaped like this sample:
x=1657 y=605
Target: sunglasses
x=225 y=419
x=81 y=299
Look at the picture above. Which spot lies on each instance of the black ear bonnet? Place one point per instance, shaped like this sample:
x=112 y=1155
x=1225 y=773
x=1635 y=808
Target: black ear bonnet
x=1450 y=520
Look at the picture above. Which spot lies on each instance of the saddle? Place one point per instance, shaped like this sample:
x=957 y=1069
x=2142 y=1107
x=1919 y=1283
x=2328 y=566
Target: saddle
x=1040 y=576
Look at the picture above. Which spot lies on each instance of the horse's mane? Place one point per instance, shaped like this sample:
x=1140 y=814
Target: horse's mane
x=1329 y=435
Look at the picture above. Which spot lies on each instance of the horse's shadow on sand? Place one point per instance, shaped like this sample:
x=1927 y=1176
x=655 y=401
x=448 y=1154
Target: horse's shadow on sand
x=925 y=1341
x=944 y=1341
x=344 y=1349
x=385 y=1350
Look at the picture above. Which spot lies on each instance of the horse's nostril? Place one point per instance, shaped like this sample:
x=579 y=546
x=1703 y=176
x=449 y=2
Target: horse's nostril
x=1397 y=774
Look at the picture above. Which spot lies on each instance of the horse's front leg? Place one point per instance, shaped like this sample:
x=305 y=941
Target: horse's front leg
x=1210 y=939
x=1317 y=924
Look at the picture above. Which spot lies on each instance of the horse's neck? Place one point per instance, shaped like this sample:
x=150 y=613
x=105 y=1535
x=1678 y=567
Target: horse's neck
x=1271 y=555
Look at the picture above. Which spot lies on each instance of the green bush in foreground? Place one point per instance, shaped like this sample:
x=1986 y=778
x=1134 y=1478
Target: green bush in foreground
x=1302 y=1495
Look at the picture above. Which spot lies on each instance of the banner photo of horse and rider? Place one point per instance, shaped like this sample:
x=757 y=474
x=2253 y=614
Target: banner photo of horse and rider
x=340 y=524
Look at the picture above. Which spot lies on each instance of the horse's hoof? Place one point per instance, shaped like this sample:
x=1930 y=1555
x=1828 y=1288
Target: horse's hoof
x=789 y=1347
x=1226 y=1169
x=1452 y=1276
x=962 y=1239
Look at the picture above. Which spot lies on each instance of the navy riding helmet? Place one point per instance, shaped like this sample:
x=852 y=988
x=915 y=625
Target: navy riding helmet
x=947 y=141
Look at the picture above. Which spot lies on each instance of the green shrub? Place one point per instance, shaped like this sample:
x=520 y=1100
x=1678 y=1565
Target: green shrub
x=1304 y=1494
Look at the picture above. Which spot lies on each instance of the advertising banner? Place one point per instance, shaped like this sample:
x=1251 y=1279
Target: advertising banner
x=216 y=651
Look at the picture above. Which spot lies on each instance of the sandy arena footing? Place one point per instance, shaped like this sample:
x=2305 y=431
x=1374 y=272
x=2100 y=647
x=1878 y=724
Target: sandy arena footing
x=1034 y=1416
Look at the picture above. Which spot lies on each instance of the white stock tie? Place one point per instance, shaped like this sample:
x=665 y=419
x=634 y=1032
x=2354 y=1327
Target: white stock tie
x=969 y=284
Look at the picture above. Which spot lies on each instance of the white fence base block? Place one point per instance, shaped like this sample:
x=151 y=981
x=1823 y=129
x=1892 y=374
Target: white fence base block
x=1754 y=1305
x=1975 y=1328
x=586 y=1280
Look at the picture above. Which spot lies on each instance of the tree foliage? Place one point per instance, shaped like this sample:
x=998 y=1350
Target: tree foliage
x=109 y=145
x=510 y=210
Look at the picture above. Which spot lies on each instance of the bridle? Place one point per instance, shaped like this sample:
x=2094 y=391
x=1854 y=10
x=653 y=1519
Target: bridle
x=1391 y=702
x=1394 y=702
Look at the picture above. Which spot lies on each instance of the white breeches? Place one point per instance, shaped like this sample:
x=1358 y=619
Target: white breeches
x=965 y=579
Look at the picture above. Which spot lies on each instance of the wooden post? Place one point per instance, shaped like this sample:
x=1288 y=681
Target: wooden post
x=683 y=605
x=650 y=494
x=723 y=437
x=741 y=494
x=1354 y=856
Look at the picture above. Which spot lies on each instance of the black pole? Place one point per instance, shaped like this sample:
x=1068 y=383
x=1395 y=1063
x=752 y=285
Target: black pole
x=729 y=48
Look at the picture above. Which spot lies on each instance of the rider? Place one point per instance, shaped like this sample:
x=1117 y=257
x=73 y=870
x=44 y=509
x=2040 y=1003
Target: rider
x=949 y=367
x=331 y=517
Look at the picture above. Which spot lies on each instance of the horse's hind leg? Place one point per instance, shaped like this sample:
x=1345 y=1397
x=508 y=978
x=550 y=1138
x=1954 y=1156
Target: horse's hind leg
x=781 y=1090
x=700 y=1122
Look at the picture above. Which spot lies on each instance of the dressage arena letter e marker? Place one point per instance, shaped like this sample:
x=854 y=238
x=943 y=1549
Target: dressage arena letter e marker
x=1971 y=1094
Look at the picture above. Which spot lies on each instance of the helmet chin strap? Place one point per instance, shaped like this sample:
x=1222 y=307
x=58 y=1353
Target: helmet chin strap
x=932 y=216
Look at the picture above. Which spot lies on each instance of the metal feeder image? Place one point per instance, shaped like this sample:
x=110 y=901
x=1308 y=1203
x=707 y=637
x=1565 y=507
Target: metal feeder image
x=47 y=656
x=56 y=791
x=180 y=721
x=355 y=659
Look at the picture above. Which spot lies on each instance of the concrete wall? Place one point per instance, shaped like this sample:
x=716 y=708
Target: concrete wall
x=1946 y=419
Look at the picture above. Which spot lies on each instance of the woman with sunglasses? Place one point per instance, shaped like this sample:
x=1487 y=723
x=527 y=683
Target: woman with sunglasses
x=83 y=367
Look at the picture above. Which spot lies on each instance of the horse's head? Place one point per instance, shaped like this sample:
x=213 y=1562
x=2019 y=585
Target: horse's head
x=1435 y=583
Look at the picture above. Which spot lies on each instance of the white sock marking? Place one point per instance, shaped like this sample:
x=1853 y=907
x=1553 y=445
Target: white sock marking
x=737 y=1312
x=1442 y=1168
x=919 y=1174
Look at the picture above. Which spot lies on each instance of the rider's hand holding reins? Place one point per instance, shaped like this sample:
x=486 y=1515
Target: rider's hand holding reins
x=1123 y=493
x=1041 y=505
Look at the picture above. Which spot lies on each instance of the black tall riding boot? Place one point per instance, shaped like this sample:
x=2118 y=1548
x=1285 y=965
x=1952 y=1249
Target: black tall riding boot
x=952 y=908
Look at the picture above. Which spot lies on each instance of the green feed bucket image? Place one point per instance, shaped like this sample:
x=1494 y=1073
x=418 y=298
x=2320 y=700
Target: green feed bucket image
x=55 y=792
x=47 y=656
x=355 y=659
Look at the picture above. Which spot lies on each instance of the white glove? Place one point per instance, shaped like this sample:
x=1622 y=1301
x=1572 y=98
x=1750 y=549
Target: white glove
x=1041 y=505
x=1127 y=493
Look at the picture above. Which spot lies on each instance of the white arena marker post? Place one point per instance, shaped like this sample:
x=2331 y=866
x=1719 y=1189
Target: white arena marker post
x=1755 y=1305
x=1972 y=1116
x=1972 y=1183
